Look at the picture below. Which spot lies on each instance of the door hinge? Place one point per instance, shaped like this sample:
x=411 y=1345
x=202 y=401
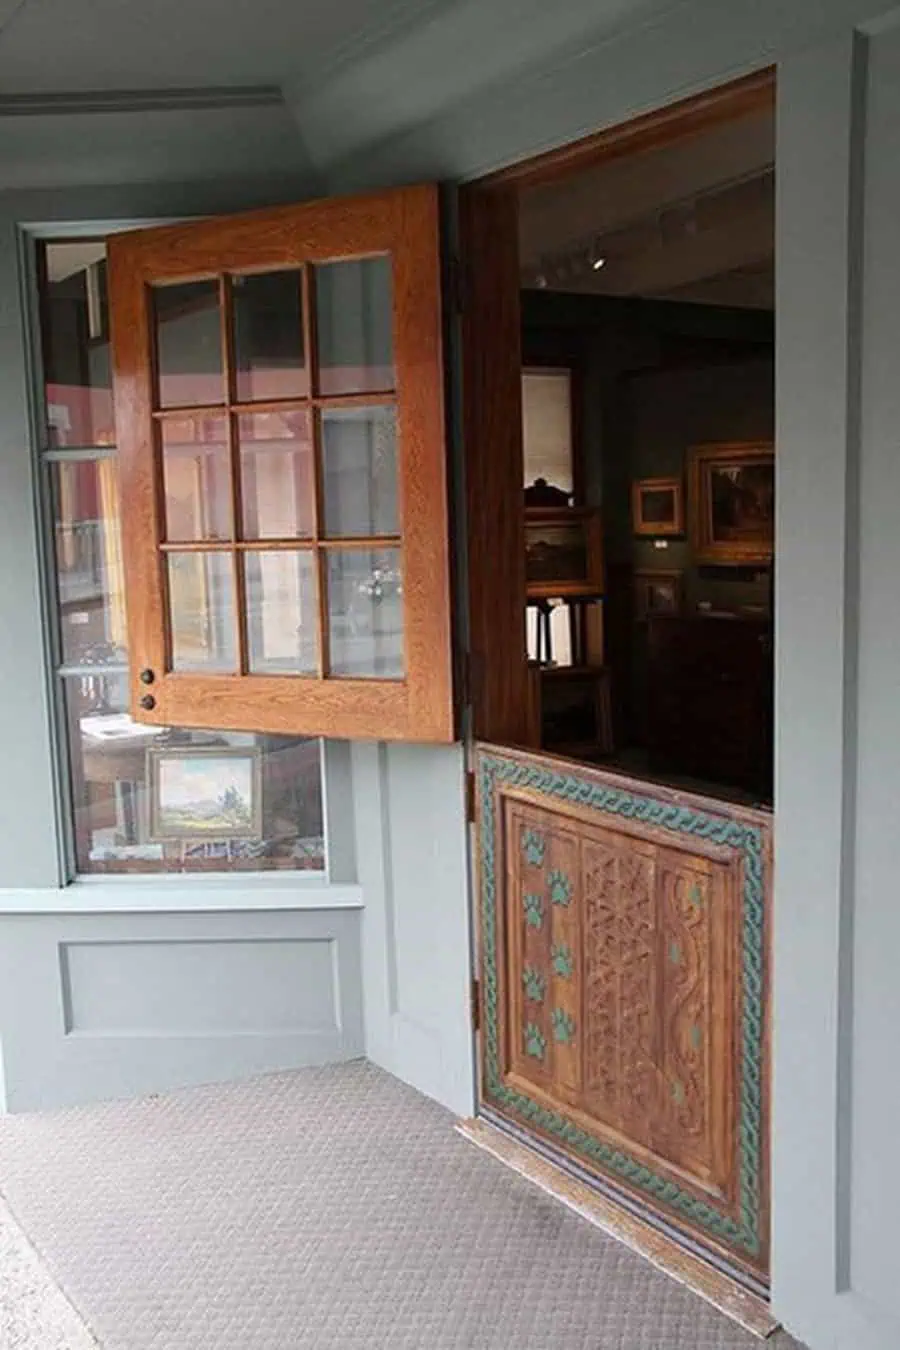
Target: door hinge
x=470 y=682
x=470 y=796
x=456 y=284
x=476 y=1005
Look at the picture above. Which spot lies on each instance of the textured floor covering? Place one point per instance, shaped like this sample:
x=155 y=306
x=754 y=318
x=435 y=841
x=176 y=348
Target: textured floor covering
x=34 y=1315
x=329 y=1208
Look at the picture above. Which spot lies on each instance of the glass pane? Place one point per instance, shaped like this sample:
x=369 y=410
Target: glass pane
x=278 y=474
x=119 y=806
x=355 y=326
x=197 y=472
x=268 y=336
x=90 y=580
x=359 y=451
x=365 y=613
x=282 y=612
x=201 y=611
x=75 y=330
x=188 y=344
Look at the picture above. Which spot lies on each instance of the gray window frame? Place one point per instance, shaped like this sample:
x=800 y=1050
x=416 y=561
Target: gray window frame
x=256 y=889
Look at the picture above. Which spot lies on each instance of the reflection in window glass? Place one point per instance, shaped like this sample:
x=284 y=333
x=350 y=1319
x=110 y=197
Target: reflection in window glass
x=144 y=798
x=197 y=478
x=153 y=799
x=75 y=324
x=89 y=573
x=365 y=613
x=282 y=612
x=268 y=335
x=355 y=324
x=359 y=450
x=188 y=344
x=202 y=617
x=277 y=474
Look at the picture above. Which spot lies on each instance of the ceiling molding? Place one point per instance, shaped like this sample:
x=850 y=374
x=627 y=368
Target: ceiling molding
x=139 y=101
x=449 y=55
x=393 y=20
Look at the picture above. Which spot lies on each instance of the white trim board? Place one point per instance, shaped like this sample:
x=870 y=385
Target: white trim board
x=182 y=895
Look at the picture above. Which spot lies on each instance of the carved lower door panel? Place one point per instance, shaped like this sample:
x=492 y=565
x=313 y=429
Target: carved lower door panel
x=623 y=938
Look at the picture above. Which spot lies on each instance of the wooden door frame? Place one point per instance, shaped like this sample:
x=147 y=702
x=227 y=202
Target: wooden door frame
x=497 y=684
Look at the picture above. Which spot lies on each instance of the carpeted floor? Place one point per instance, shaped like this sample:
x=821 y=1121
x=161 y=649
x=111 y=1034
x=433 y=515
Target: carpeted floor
x=329 y=1208
x=34 y=1315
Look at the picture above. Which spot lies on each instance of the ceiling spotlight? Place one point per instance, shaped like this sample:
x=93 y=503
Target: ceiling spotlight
x=596 y=256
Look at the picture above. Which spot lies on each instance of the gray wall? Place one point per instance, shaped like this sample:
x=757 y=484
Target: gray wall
x=412 y=838
x=98 y=1005
x=147 y=984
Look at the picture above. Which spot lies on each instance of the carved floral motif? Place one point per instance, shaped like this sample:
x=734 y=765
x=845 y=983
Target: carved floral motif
x=535 y=1041
x=535 y=984
x=641 y=919
x=534 y=847
x=534 y=909
x=563 y=1026
x=563 y=960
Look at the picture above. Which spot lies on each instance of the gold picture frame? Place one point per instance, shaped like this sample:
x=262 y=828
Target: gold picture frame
x=732 y=503
x=657 y=507
x=563 y=552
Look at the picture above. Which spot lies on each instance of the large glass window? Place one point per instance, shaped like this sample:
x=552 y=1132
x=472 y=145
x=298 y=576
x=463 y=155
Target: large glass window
x=146 y=798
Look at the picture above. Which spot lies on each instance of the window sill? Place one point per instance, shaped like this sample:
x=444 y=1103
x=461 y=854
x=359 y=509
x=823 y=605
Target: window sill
x=167 y=895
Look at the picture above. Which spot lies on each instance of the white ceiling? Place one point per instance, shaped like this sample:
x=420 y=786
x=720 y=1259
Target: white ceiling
x=692 y=220
x=293 y=83
x=87 y=45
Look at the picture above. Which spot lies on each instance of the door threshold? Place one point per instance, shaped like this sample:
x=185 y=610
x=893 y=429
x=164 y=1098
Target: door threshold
x=748 y=1310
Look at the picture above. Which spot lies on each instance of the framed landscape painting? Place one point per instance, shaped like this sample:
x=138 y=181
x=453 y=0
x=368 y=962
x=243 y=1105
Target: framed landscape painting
x=211 y=792
x=563 y=551
x=732 y=503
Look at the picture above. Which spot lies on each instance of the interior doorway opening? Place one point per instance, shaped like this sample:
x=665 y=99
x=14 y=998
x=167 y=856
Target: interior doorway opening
x=647 y=340
x=618 y=357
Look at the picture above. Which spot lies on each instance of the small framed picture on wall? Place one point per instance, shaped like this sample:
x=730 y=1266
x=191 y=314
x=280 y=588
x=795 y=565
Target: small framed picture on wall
x=657 y=592
x=657 y=506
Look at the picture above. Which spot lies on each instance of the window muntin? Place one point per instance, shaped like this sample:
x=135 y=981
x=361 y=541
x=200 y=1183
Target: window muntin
x=223 y=345
x=353 y=491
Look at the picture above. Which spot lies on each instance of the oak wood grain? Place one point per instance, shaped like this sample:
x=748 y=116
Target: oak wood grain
x=620 y=985
x=649 y=131
x=403 y=225
x=494 y=490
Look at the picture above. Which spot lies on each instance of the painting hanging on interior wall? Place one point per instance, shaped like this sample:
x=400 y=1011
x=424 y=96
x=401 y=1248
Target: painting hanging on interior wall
x=732 y=503
x=208 y=793
x=657 y=506
x=657 y=592
x=563 y=551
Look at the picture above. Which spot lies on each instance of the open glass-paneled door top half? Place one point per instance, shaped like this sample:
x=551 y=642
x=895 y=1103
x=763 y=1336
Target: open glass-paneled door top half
x=278 y=381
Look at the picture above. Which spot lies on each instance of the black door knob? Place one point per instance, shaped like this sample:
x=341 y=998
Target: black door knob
x=148 y=702
x=147 y=676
